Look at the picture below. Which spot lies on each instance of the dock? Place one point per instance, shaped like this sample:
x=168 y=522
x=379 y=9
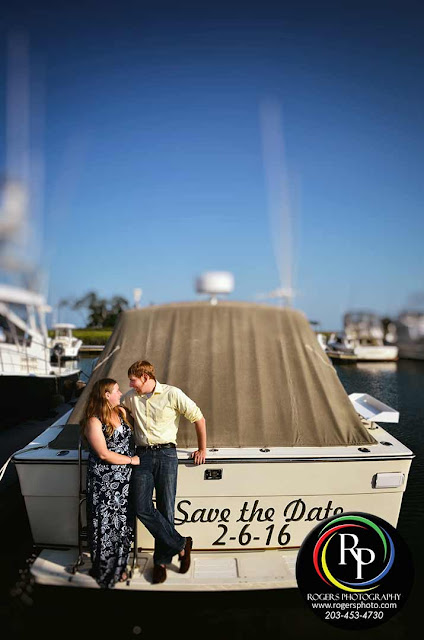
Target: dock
x=91 y=348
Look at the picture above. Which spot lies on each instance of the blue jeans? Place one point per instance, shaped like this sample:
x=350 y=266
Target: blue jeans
x=158 y=470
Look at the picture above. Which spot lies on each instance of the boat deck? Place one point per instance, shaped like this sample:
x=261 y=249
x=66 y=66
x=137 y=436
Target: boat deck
x=231 y=571
x=387 y=446
x=91 y=348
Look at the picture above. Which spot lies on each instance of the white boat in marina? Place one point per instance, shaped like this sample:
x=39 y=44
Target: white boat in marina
x=25 y=368
x=374 y=351
x=338 y=347
x=287 y=448
x=64 y=345
x=362 y=340
x=342 y=348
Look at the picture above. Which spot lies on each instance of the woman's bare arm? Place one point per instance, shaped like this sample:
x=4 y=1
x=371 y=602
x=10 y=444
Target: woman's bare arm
x=96 y=440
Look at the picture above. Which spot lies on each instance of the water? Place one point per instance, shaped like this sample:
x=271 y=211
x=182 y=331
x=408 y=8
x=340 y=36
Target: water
x=86 y=364
x=400 y=385
x=69 y=612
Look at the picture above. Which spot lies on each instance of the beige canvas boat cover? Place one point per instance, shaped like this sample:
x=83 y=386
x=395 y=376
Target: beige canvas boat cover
x=256 y=371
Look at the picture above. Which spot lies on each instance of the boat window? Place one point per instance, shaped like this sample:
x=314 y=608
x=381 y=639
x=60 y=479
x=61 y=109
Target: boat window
x=20 y=310
x=11 y=334
x=5 y=333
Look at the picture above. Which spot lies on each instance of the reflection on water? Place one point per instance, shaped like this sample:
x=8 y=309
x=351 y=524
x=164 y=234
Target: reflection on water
x=377 y=367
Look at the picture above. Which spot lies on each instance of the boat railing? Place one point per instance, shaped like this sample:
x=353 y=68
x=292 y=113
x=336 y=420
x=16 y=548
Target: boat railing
x=82 y=498
x=37 y=358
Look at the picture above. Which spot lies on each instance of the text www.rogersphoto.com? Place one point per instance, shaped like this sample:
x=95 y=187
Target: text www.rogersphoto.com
x=353 y=606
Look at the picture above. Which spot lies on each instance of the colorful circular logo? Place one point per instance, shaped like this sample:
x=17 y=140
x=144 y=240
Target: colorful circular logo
x=331 y=534
x=354 y=570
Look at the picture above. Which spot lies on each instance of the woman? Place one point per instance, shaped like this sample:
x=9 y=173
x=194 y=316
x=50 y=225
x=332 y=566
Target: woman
x=110 y=519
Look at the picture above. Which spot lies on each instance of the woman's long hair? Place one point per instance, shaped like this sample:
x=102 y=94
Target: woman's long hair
x=99 y=407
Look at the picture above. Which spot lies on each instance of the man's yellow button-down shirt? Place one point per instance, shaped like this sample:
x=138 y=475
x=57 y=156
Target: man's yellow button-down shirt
x=156 y=418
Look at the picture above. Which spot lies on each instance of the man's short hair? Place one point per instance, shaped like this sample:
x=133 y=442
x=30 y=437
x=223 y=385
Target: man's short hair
x=142 y=368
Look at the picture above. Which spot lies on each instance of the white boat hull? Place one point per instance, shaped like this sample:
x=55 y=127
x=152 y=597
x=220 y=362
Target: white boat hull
x=218 y=514
x=363 y=353
x=374 y=354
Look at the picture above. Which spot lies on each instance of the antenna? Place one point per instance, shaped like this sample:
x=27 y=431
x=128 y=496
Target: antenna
x=215 y=283
x=13 y=207
x=137 y=293
x=285 y=295
x=14 y=184
x=279 y=208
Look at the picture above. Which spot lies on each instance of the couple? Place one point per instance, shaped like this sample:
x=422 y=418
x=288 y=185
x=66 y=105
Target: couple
x=155 y=410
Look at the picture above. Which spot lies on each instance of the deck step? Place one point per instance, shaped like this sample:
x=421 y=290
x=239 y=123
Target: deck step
x=230 y=571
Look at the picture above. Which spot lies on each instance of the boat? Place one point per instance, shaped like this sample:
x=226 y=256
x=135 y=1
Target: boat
x=29 y=383
x=25 y=367
x=322 y=340
x=362 y=340
x=64 y=345
x=287 y=448
x=410 y=335
x=339 y=348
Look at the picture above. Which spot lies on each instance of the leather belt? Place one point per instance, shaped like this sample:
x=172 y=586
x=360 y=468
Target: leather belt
x=168 y=445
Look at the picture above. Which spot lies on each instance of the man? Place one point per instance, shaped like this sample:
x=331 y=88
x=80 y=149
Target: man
x=156 y=409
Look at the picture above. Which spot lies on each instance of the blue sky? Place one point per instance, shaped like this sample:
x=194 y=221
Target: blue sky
x=153 y=157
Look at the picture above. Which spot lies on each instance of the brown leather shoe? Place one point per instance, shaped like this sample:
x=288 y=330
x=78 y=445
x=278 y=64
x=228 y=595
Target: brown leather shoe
x=159 y=574
x=185 y=559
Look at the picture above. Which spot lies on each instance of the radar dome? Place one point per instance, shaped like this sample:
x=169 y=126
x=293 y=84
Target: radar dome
x=214 y=283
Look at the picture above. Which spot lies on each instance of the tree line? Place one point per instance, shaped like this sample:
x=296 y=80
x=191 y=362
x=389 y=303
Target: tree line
x=102 y=312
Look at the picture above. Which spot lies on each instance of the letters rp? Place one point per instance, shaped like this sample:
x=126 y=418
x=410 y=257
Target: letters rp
x=358 y=553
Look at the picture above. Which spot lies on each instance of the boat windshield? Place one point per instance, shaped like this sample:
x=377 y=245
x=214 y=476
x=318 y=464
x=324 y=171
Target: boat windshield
x=11 y=334
x=63 y=333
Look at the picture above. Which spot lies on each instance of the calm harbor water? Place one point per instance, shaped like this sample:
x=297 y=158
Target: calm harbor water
x=69 y=612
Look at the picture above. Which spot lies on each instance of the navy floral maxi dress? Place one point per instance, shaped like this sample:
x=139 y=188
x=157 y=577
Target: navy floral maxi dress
x=110 y=517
